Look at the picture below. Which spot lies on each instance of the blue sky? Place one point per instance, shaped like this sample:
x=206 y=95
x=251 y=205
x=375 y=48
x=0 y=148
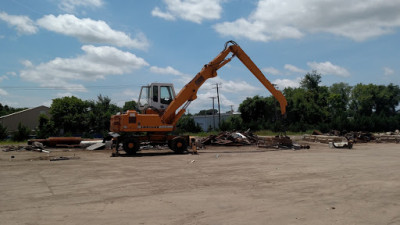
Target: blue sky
x=56 y=48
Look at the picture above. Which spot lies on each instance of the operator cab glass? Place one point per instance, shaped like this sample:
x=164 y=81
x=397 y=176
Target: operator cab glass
x=166 y=95
x=156 y=95
x=144 y=97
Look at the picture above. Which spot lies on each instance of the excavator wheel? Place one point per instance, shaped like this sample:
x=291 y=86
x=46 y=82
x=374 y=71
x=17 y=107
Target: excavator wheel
x=170 y=144
x=131 y=145
x=178 y=145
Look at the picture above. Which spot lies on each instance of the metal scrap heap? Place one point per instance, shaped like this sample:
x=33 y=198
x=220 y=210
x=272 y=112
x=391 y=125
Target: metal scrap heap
x=248 y=138
x=280 y=142
x=231 y=139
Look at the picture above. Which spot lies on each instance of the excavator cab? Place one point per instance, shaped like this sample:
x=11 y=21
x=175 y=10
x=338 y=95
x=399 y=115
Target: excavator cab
x=156 y=96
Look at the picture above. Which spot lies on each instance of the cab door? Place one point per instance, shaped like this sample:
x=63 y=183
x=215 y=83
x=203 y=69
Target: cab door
x=161 y=95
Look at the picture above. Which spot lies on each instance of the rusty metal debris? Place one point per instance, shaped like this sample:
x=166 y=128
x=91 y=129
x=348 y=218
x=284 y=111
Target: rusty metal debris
x=344 y=144
x=352 y=137
x=60 y=158
x=58 y=141
x=359 y=137
x=280 y=142
x=392 y=138
x=248 y=138
x=35 y=146
x=231 y=139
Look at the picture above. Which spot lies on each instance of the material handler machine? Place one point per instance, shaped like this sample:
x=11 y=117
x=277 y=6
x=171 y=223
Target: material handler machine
x=161 y=109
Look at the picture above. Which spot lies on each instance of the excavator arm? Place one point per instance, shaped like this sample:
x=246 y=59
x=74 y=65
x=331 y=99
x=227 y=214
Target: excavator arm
x=189 y=92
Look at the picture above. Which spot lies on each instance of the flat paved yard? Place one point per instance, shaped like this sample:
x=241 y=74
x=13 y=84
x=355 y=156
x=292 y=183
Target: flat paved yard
x=221 y=185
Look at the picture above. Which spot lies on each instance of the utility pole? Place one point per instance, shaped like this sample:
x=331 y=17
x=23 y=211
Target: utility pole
x=213 y=111
x=219 y=107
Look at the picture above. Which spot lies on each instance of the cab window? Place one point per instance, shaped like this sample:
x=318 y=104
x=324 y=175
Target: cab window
x=166 y=94
x=155 y=93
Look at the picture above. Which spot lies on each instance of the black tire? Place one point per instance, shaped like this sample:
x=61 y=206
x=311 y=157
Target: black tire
x=131 y=145
x=170 y=144
x=179 y=145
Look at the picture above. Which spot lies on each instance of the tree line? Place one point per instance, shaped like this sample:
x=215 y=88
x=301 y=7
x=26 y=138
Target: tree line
x=71 y=116
x=363 y=107
x=366 y=107
x=5 y=109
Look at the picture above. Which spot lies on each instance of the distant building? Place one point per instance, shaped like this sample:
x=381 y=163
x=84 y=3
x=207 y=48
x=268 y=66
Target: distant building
x=206 y=121
x=27 y=117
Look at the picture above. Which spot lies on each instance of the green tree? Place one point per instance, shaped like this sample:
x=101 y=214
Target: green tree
x=207 y=112
x=22 y=133
x=187 y=124
x=3 y=132
x=373 y=107
x=69 y=114
x=130 y=105
x=234 y=122
x=5 y=110
x=387 y=99
x=363 y=100
x=45 y=128
x=311 y=81
x=99 y=114
x=258 y=111
x=338 y=105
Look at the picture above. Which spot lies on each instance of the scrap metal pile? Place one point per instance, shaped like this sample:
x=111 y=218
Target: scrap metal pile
x=361 y=137
x=280 y=142
x=231 y=139
x=248 y=138
x=353 y=137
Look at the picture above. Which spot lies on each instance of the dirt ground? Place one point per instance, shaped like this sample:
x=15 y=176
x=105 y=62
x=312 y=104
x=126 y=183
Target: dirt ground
x=221 y=185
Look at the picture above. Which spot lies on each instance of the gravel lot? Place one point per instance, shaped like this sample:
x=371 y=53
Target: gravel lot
x=221 y=185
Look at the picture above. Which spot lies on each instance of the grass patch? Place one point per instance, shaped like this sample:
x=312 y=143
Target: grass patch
x=203 y=134
x=10 y=142
x=259 y=133
x=271 y=133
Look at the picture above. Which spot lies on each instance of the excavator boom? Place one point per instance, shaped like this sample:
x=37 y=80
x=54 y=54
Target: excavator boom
x=189 y=92
x=154 y=124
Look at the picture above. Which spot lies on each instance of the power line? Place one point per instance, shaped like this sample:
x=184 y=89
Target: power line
x=219 y=107
x=213 y=110
x=32 y=88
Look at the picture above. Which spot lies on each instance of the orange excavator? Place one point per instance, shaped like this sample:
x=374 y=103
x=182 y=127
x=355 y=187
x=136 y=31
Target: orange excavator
x=161 y=109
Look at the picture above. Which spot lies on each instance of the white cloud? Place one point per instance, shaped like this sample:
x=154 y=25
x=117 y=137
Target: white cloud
x=165 y=15
x=191 y=10
x=12 y=73
x=47 y=103
x=130 y=92
x=4 y=77
x=204 y=101
x=230 y=93
x=96 y=63
x=328 y=68
x=26 y=63
x=284 y=83
x=388 y=71
x=70 y=5
x=91 y=31
x=65 y=94
x=355 y=19
x=182 y=77
x=166 y=70
x=294 y=69
x=23 y=24
x=3 y=92
x=237 y=86
x=271 y=70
